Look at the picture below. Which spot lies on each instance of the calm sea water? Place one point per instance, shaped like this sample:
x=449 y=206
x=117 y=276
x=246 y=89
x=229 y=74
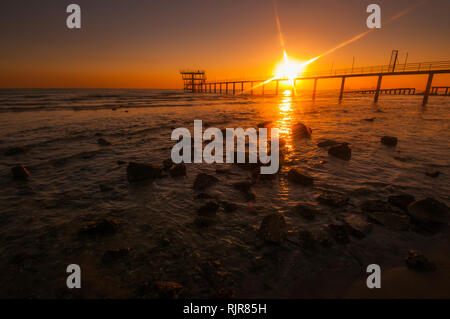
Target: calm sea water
x=60 y=128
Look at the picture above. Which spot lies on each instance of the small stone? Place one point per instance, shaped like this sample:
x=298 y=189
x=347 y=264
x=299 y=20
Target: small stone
x=273 y=228
x=208 y=210
x=358 y=226
x=20 y=172
x=142 y=171
x=333 y=199
x=418 y=262
x=339 y=233
x=341 y=151
x=300 y=178
x=15 y=151
x=390 y=220
x=300 y=130
x=433 y=174
x=101 y=141
x=389 y=141
x=308 y=212
x=401 y=200
x=178 y=170
x=203 y=181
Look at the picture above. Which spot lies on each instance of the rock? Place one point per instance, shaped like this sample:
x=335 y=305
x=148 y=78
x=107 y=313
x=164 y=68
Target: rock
x=203 y=181
x=273 y=228
x=300 y=130
x=142 y=171
x=103 y=142
x=338 y=232
x=418 y=262
x=228 y=207
x=401 y=200
x=429 y=211
x=341 y=151
x=375 y=205
x=297 y=177
x=390 y=220
x=208 y=210
x=389 y=140
x=20 y=173
x=178 y=170
x=306 y=239
x=167 y=164
x=357 y=225
x=15 y=151
x=104 y=227
x=333 y=199
x=306 y=211
x=371 y=119
x=112 y=256
x=433 y=174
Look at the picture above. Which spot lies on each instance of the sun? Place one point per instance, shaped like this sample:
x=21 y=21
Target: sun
x=288 y=69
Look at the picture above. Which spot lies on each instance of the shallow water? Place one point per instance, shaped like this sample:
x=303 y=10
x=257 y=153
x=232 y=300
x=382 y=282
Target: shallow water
x=59 y=129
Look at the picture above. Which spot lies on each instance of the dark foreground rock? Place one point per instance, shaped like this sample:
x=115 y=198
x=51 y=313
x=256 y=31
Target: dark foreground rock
x=429 y=211
x=142 y=171
x=203 y=181
x=307 y=211
x=15 y=151
x=20 y=173
x=103 y=227
x=401 y=200
x=391 y=220
x=273 y=228
x=333 y=199
x=300 y=178
x=342 y=151
x=300 y=130
x=389 y=141
x=357 y=225
x=418 y=262
x=178 y=170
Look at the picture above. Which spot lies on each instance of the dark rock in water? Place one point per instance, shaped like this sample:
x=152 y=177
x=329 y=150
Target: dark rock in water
x=20 y=172
x=243 y=186
x=178 y=170
x=418 y=262
x=375 y=205
x=306 y=211
x=390 y=220
x=306 y=239
x=15 y=151
x=112 y=256
x=167 y=164
x=273 y=228
x=333 y=199
x=389 y=140
x=103 y=142
x=104 y=227
x=401 y=200
x=228 y=207
x=342 y=151
x=328 y=143
x=300 y=130
x=204 y=221
x=142 y=171
x=161 y=290
x=429 y=211
x=208 y=210
x=297 y=177
x=357 y=225
x=203 y=181
x=371 y=119
x=433 y=174
x=339 y=233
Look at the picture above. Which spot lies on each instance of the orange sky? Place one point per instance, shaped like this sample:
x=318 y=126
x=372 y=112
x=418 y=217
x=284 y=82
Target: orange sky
x=139 y=44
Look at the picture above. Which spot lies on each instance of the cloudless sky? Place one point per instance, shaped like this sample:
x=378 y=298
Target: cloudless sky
x=144 y=43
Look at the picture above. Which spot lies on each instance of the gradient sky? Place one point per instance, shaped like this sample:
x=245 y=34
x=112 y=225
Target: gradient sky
x=144 y=43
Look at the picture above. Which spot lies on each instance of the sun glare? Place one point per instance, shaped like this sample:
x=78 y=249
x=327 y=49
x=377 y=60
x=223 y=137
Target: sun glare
x=288 y=69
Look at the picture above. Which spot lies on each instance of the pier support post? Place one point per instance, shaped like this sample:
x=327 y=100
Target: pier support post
x=242 y=87
x=276 y=90
x=341 y=95
x=427 y=90
x=215 y=87
x=251 y=90
x=377 y=92
x=226 y=88
x=314 y=90
x=234 y=87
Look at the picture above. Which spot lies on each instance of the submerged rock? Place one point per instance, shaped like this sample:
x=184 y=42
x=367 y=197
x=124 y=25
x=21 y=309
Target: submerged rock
x=306 y=211
x=209 y=209
x=300 y=178
x=357 y=225
x=401 y=200
x=342 y=151
x=389 y=140
x=418 y=262
x=15 y=151
x=273 y=228
x=20 y=172
x=103 y=227
x=429 y=211
x=103 y=142
x=333 y=199
x=300 y=130
x=203 y=181
x=338 y=232
x=390 y=220
x=178 y=170
x=142 y=171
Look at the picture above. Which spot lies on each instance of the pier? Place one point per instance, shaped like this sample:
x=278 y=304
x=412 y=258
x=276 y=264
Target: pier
x=396 y=91
x=249 y=85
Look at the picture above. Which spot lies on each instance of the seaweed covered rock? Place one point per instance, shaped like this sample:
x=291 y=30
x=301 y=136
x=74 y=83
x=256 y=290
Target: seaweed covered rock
x=341 y=151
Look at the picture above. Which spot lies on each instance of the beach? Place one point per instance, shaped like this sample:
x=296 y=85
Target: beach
x=145 y=240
